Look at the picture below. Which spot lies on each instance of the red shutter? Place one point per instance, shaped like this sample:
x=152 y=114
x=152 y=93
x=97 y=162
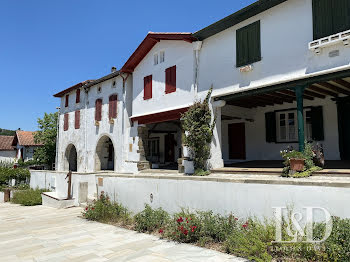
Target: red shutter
x=77 y=96
x=170 y=80
x=98 y=110
x=113 y=100
x=66 y=119
x=67 y=99
x=77 y=119
x=147 y=90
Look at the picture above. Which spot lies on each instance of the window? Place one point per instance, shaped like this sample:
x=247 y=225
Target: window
x=248 y=48
x=287 y=126
x=147 y=90
x=114 y=84
x=77 y=120
x=99 y=89
x=65 y=122
x=77 y=96
x=155 y=59
x=67 y=101
x=170 y=80
x=98 y=110
x=162 y=56
x=330 y=17
x=113 y=100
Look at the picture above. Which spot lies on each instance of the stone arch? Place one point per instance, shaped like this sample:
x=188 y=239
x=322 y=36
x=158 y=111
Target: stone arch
x=105 y=154
x=71 y=158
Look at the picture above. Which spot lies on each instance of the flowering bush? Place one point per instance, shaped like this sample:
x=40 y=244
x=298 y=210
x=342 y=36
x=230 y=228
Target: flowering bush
x=104 y=210
x=185 y=228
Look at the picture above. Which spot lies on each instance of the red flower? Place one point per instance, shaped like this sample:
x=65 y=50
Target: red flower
x=93 y=208
x=236 y=218
x=86 y=208
x=182 y=228
x=161 y=231
x=245 y=225
x=193 y=228
x=186 y=232
x=180 y=220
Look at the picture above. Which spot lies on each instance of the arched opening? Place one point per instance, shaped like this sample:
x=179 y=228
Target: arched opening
x=104 y=158
x=71 y=158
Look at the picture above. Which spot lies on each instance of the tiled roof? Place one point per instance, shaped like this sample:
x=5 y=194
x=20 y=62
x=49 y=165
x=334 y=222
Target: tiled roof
x=6 y=143
x=26 y=138
x=62 y=93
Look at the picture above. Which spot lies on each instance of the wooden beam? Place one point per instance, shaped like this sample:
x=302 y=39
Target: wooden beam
x=284 y=98
x=240 y=104
x=272 y=99
x=343 y=83
x=314 y=94
x=334 y=88
x=323 y=91
x=292 y=93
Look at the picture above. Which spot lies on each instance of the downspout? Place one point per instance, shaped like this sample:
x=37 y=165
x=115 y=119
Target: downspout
x=86 y=89
x=123 y=118
x=57 y=136
x=196 y=47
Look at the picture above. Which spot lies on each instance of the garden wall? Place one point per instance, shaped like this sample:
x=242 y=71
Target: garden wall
x=224 y=194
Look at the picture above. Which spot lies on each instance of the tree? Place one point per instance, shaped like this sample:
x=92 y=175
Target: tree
x=46 y=136
x=198 y=126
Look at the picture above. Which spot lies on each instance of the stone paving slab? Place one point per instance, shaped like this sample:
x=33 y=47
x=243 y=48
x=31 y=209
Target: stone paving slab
x=46 y=234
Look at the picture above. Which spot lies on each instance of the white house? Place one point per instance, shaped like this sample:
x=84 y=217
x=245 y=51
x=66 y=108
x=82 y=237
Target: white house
x=280 y=72
x=94 y=125
x=7 y=151
x=24 y=144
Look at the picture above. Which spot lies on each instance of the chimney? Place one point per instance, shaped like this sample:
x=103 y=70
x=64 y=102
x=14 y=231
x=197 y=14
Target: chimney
x=113 y=69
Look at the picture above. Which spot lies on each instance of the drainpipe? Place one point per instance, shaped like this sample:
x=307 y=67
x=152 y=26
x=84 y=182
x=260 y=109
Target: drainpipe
x=57 y=136
x=85 y=126
x=123 y=118
x=196 y=47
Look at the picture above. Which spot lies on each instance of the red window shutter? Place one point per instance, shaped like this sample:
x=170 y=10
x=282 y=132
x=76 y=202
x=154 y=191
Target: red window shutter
x=66 y=119
x=98 y=110
x=113 y=100
x=170 y=80
x=147 y=90
x=67 y=100
x=77 y=96
x=77 y=119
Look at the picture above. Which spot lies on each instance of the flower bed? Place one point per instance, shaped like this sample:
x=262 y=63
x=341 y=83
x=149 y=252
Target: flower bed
x=249 y=238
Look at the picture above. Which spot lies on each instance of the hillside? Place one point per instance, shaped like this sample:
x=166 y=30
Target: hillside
x=6 y=132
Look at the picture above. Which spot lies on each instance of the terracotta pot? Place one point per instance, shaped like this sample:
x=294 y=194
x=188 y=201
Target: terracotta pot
x=297 y=164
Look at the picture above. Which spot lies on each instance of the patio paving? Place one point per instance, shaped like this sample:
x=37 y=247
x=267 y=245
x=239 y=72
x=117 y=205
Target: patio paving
x=46 y=234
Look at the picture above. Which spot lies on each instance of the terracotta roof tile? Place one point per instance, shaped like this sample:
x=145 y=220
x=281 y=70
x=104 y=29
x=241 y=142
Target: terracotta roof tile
x=6 y=143
x=26 y=138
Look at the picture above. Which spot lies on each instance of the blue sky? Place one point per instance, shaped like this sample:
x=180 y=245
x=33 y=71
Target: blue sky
x=47 y=46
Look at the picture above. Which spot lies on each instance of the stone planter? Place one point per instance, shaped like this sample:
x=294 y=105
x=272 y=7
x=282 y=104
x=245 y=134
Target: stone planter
x=297 y=164
x=189 y=167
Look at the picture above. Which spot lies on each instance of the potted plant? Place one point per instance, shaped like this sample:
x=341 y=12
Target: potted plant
x=297 y=164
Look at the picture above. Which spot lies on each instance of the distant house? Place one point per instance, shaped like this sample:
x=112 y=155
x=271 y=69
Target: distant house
x=24 y=145
x=7 y=150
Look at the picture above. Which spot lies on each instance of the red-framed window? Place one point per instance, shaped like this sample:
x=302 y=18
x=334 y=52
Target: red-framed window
x=98 y=109
x=77 y=96
x=77 y=120
x=67 y=101
x=113 y=102
x=147 y=90
x=66 y=122
x=170 y=79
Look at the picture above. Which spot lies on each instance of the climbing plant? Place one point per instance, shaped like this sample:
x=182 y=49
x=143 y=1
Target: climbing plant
x=198 y=125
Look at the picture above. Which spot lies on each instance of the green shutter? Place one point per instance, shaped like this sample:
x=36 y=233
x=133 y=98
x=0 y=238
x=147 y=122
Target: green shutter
x=317 y=123
x=341 y=15
x=270 y=127
x=248 y=46
x=330 y=17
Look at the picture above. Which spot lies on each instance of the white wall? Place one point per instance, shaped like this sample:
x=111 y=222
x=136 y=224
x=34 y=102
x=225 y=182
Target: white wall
x=256 y=146
x=7 y=156
x=85 y=138
x=179 y=53
x=286 y=30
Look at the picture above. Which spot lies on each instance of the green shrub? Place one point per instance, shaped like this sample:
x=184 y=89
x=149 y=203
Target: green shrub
x=103 y=210
x=150 y=219
x=20 y=174
x=201 y=172
x=251 y=240
x=30 y=197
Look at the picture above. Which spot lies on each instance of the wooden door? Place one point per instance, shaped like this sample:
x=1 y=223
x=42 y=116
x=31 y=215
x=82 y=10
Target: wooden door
x=236 y=139
x=169 y=153
x=344 y=128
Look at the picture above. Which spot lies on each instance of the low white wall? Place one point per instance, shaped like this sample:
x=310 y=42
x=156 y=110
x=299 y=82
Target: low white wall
x=241 y=199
